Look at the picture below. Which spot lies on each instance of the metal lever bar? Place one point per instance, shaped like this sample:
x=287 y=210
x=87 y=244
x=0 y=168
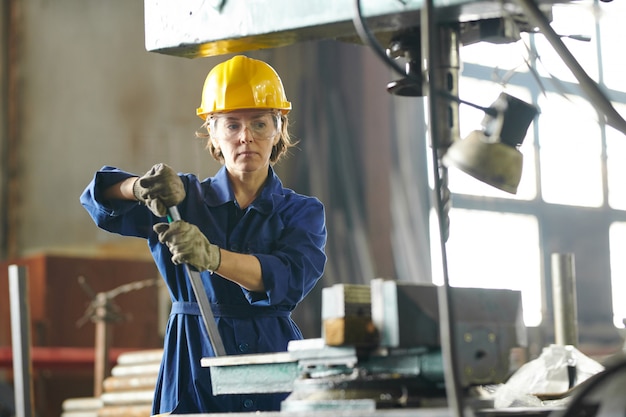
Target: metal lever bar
x=201 y=297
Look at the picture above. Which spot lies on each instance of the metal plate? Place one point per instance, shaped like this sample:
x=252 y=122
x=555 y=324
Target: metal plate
x=262 y=373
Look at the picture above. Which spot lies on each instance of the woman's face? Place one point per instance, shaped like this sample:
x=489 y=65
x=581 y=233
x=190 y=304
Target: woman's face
x=245 y=138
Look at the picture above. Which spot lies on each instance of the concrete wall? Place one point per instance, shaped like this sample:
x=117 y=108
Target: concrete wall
x=91 y=95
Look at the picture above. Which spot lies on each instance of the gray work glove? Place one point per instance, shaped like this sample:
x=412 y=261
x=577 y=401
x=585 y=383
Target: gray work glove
x=188 y=245
x=159 y=189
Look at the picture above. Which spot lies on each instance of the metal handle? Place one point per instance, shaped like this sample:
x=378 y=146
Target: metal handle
x=201 y=297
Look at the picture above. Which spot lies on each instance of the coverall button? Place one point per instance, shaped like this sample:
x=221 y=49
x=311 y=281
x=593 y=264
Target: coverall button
x=243 y=347
x=248 y=403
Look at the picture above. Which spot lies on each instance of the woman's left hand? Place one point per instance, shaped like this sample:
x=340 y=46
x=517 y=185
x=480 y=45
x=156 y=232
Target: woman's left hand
x=188 y=245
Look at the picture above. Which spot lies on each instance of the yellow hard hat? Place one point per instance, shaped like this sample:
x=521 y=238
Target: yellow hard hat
x=242 y=83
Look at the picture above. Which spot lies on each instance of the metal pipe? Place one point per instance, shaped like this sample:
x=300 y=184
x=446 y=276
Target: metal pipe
x=20 y=334
x=439 y=74
x=564 y=299
x=595 y=94
x=203 y=300
x=102 y=365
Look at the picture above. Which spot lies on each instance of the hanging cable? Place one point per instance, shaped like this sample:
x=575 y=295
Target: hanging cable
x=368 y=38
x=455 y=400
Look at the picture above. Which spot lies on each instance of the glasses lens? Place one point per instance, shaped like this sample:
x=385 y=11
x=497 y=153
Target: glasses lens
x=261 y=126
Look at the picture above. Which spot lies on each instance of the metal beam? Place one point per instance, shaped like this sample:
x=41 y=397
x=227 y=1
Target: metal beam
x=196 y=28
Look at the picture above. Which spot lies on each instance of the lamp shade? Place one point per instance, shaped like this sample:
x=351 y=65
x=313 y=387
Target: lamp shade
x=493 y=163
x=491 y=155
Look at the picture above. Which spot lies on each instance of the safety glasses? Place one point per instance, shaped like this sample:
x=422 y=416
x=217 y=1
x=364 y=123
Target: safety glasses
x=262 y=125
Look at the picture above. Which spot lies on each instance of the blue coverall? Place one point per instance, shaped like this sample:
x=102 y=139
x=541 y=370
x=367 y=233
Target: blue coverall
x=286 y=231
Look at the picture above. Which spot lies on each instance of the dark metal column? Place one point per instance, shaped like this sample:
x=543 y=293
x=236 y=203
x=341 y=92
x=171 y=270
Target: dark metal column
x=440 y=57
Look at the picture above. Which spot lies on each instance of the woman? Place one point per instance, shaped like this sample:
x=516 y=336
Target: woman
x=258 y=246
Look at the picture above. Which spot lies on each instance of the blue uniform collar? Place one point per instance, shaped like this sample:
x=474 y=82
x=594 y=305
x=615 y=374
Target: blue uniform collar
x=218 y=191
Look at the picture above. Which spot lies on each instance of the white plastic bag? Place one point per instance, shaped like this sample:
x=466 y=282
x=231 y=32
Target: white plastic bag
x=548 y=374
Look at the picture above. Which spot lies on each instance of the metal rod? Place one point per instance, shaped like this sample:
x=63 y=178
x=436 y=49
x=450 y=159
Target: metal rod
x=587 y=84
x=102 y=365
x=203 y=300
x=441 y=137
x=20 y=333
x=564 y=299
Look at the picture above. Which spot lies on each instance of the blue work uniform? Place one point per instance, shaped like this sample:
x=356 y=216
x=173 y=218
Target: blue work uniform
x=284 y=230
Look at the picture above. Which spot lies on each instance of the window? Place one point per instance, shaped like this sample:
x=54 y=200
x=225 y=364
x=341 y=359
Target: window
x=616 y=166
x=618 y=271
x=570 y=150
x=495 y=250
x=572 y=162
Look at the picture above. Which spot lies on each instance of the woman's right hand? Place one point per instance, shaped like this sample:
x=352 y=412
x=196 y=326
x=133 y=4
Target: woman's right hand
x=159 y=188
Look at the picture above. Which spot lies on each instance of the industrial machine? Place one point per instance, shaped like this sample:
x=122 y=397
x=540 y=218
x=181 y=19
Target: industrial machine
x=381 y=349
